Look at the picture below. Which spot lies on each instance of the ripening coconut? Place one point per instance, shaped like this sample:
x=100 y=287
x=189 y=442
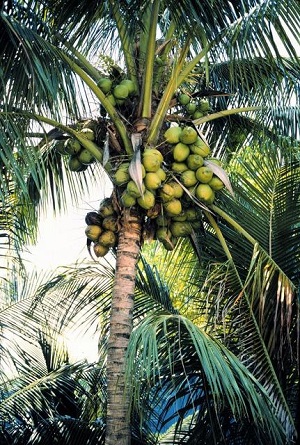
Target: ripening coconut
x=106 y=208
x=173 y=207
x=105 y=84
x=108 y=238
x=180 y=152
x=172 y=135
x=152 y=181
x=100 y=250
x=110 y=223
x=93 y=232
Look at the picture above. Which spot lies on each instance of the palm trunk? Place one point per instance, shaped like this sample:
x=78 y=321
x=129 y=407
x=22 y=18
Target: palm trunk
x=118 y=420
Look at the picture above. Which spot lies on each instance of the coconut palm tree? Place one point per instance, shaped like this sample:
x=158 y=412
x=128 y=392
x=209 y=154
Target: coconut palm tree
x=158 y=74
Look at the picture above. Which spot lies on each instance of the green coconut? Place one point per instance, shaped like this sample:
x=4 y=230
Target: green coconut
x=191 y=107
x=93 y=232
x=72 y=146
x=194 y=161
x=183 y=99
x=85 y=157
x=152 y=181
x=100 y=250
x=188 y=178
x=180 y=152
x=204 y=105
x=88 y=133
x=216 y=184
x=127 y=200
x=122 y=175
x=133 y=189
x=108 y=238
x=75 y=165
x=121 y=91
x=130 y=86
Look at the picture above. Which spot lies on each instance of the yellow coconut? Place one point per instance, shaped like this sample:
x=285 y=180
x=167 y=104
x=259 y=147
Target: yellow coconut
x=172 y=135
x=205 y=193
x=188 y=135
x=146 y=201
x=152 y=181
x=178 y=190
x=204 y=174
x=200 y=148
x=180 y=152
x=166 y=193
x=161 y=174
x=93 y=232
x=179 y=167
x=194 y=161
x=216 y=183
x=188 y=178
x=151 y=163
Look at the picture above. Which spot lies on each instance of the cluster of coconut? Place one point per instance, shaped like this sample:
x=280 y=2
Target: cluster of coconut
x=79 y=157
x=117 y=93
x=193 y=107
x=172 y=184
x=102 y=228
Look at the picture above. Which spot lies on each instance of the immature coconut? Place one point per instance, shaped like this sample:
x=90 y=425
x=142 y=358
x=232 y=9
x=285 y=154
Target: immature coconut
x=108 y=238
x=172 y=135
x=146 y=201
x=100 y=250
x=127 y=200
x=85 y=157
x=183 y=99
x=188 y=135
x=88 y=133
x=205 y=193
x=93 y=232
x=216 y=183
x=204 y=174
x=191 y=107
x=105 y=84
x=121 y=91
x=152 y=181
x=181 y=228
x=173 y=207
x=75 y=165
x=130 y=86
x=180 y=152
x=188 y=178
x=72 y=146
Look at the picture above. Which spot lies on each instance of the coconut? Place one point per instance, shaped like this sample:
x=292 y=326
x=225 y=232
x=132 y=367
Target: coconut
x=121 y=91
x=204 y=174
x=205 y=193
x=152 y=181
x=200 y=148
x=133 y=189
x=110 y=223
x=151 y=163
x=166 y=193
x=122 y=175
x=204 y=105
x=178 y=190
x=215 y=183
x=146 y=201
x=188 y=178
x=60 y=147
x=108 y=238
x=162 y=220
x=153 y=152
x=75 y=165
x=93 y=232
x=127 y=200
x=172 y=135
x=181 y=228
x=106 y=208
x=72 y=146
x=183 y=99
x=85 y=157
x=104 y=84
x=88 y=133
x=192 y=214
x=191 y=107
x=161 y=174
x=164 y=236
x=180 y=152
x=173 y=207
x=194 y=161
x=130 y=86
x=179 y=167
x=100 y=250
x=188 y=135
x=180 y=217
x=197 y=115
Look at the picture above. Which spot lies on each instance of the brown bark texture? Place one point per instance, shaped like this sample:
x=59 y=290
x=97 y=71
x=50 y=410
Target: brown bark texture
x=118 y=419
